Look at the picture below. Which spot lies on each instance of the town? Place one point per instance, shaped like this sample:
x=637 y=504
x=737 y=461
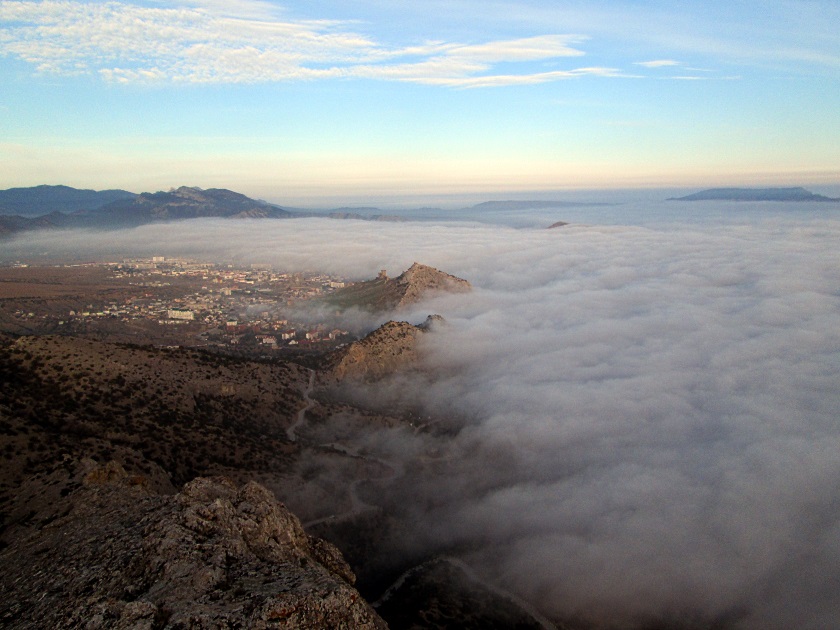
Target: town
x=254 y=310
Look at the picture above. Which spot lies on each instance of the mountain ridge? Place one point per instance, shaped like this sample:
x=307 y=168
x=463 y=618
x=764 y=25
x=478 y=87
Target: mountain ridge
x=186 y=203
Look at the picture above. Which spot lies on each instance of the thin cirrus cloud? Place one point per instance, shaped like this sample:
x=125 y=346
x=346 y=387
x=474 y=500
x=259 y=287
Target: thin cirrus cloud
x=658 y=63
x=126 y=43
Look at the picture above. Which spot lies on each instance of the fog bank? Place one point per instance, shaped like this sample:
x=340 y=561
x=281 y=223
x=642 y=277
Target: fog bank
x=653 y=410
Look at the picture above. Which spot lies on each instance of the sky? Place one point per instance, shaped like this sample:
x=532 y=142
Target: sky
x=298 y=102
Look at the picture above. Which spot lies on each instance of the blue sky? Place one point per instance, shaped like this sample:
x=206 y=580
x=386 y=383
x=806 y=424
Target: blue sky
x=297 y=101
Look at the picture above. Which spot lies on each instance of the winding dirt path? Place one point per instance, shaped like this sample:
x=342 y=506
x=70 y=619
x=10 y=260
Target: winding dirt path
x=358 y=505
x=290 y=432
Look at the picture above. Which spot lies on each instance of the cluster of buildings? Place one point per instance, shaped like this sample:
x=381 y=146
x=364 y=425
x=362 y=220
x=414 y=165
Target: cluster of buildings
x=214 y=304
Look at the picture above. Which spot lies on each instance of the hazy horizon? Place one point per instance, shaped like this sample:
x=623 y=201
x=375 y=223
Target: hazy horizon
x=405 y=203
x=376 y=99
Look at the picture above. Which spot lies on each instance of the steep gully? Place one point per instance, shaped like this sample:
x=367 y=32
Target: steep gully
x=357 y=506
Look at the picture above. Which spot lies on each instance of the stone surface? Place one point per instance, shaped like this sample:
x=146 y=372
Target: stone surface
x=110 y=553
x=389 y=348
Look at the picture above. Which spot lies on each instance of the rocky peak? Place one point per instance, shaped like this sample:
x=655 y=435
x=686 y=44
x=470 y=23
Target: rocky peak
x=388 y=294
x=189 y=192
x=419 y=280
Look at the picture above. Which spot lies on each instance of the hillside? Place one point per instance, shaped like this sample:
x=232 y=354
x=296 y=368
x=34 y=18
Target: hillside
x=168 y=414
x=162 y=418
x=385 y=294
x=754 y=194
x=16 y=223
x=106 y=453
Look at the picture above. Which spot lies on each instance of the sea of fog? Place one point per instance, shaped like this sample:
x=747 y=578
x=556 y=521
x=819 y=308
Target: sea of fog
x=652 y=396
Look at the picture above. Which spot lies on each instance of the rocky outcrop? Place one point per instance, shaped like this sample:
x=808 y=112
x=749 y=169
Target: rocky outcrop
x=420 y=280
x=389 y=348
x=112 y=554
x=385 y=294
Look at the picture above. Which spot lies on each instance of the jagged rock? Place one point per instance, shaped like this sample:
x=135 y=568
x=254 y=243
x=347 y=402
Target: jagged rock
x=387 y=349
x=111 y=554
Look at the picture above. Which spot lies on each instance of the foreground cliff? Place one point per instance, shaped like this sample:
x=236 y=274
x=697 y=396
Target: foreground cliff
x=97 y=549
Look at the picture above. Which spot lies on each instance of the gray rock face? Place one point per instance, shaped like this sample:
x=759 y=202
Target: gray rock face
x=111 y=554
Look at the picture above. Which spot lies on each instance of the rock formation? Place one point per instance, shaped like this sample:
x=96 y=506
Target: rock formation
x=389 y=348
x=419 y=280
x=391 y=294
x=98 y=549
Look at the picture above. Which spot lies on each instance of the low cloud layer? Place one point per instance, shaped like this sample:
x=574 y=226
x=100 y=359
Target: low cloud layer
x=652 y=411
x=656 y=424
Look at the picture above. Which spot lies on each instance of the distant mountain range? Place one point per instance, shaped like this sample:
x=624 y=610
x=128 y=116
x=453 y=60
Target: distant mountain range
x=41 y=200
x=754 y=194
x=56 y=207
x=60 y=207
x=182 y=203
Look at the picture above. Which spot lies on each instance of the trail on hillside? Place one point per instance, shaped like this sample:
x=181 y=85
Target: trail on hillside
x=357 y=504
x=301 y=416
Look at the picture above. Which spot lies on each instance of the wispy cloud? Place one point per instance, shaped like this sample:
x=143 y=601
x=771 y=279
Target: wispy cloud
x=657 y=63
x=202 y=42
x=259 y=9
